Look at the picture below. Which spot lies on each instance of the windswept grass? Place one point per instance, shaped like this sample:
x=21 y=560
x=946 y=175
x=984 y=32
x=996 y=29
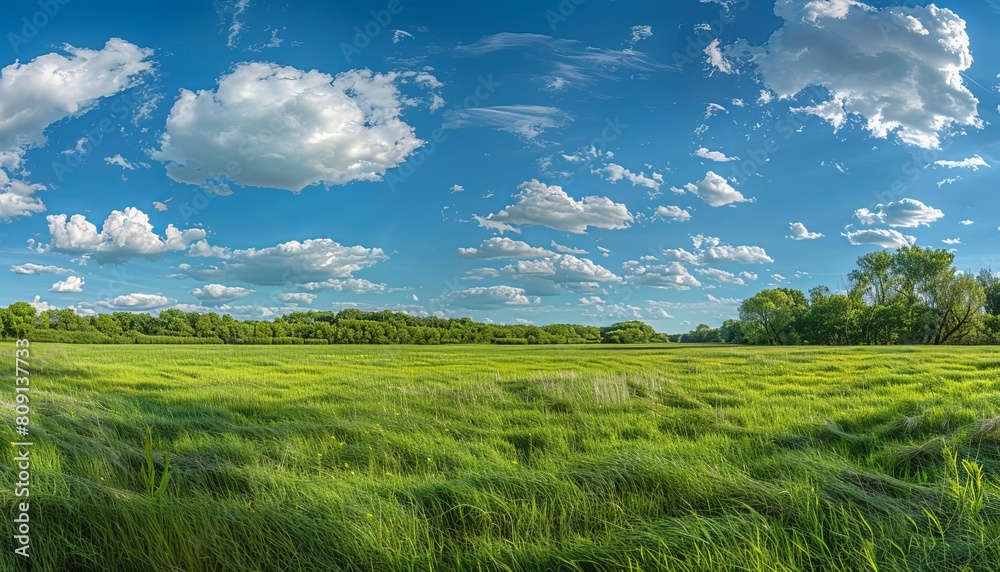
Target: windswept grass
x=510 y=458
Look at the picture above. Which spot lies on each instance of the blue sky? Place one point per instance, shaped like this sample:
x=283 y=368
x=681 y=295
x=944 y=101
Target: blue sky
x=566 y=161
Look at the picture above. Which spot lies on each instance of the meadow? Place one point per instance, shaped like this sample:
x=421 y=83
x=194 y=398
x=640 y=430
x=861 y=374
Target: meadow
x=660 y=457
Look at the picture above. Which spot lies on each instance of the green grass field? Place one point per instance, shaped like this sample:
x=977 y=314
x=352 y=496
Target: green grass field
x=511 y=458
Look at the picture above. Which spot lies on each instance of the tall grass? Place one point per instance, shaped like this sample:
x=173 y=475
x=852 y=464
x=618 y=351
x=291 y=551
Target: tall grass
x=510 y=458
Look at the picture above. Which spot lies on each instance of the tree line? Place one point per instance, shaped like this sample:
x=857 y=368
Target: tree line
x=350 y=326
x=911 y=296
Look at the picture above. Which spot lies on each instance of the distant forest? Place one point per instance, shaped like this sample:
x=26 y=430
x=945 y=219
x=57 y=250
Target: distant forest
x=911 y=296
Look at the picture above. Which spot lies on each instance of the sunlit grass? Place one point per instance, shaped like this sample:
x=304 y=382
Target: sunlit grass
x=511 y=458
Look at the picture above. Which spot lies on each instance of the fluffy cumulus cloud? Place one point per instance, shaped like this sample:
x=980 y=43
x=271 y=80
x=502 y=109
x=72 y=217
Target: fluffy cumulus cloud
x=672 y=275
x=896 y=68
x=907 y=213
x=549 y=205
x=613 y=173
x=717 y=156
x=974 y=163
x=137 y=302
x=293 y=262
x=525 y=121
x=800 y=232
x=296 y=298
x=498 y=247
x=545 y=276
x=70 y=284
x=277 y=126
x=710 y=249
x=351 y=285
x=31 y=268
x=672 y=213
x=884 y=237
x=488 y=298
x=595 y=307
x=218 y=294
x=716 y=191
x=722 y=276
x=50 y=88
x=124 y=235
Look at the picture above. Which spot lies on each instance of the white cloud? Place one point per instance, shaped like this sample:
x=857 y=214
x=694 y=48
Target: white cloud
x=965 y=222
x=951 y=240
x=457 y=188
x=120 y=161
x=545 y=205
x=898 y=68
x=947 y=181
x=907 y=213
x=70 y=284
x=293 y=262
x=672 y=275
x=52 y=87
x=639 y=33
x=400 y=35
x=715 y=59
x=716 y=156
x=709 y=249
x=974 y=163
x=137 y=302
x=280 y=127
x=716 y=191
x=161 y=207
x=490 y=297
x=561 y=269
x=234 y=9
x=503 y=248
x=41 y=306
x=594 y=307
x=567 y=249
x=800 y=232
x=681 y=255
x=672 y=213
x=296 y=298
x=526 y=121
x=218 y=294
x=571 y=63
x=31 y=268
x=613 y=173
x=16 y=197
x=721 y=276
x=884 y=237
x=351 y=285
x=124 y=235
x=713 y=109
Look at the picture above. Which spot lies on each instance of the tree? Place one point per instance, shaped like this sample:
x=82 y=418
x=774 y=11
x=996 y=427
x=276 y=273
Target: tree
x=771 y=315
x=108 y=326
x=991 y=287
x=955 y=304
x=828 y=320
x=633 y=332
